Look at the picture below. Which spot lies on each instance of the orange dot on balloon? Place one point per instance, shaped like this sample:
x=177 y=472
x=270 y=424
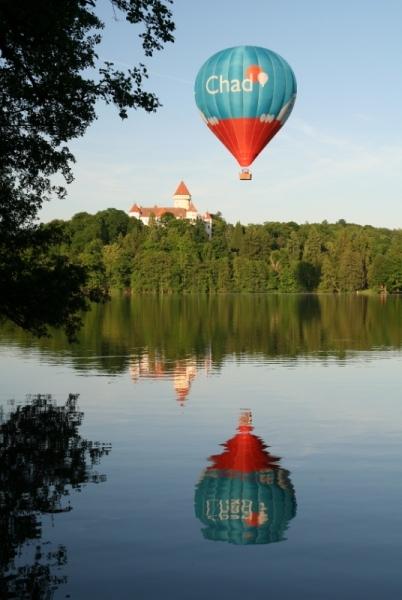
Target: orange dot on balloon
x=252 y=520
x=253 y=71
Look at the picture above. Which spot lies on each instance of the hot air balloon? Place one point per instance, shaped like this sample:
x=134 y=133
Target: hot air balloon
x=245 y=94
x=244 y=497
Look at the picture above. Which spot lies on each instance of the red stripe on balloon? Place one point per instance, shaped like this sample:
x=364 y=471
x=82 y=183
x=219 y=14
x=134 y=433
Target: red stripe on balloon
x=244 y=453
x=245 y=137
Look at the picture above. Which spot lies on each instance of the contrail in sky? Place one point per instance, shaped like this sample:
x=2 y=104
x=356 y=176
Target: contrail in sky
x=154 y=73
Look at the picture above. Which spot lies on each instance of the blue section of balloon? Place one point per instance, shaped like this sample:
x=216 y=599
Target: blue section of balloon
x=223 y=503
x=224 y=88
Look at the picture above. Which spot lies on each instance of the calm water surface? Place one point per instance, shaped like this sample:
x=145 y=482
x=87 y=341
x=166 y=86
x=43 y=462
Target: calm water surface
x=205 y=448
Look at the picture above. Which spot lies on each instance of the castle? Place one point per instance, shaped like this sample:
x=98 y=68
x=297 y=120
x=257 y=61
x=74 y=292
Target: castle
x=183 y=208
x=181 y=372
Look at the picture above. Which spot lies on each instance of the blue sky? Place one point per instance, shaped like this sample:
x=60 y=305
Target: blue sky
x=338 y=156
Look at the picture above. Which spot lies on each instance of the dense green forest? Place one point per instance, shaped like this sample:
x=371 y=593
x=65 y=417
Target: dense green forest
x=173 y=256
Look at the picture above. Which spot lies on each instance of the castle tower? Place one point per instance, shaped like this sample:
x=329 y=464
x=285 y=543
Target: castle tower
x=182 y=197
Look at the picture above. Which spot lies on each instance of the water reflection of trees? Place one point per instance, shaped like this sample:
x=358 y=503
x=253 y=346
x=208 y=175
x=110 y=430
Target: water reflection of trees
x=270 y=326
x=42 y=457
x=244 y=496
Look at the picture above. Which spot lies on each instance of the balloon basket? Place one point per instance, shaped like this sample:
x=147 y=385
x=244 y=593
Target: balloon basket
x=245 y=175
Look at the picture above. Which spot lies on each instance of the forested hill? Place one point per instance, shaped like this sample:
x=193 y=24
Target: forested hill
x=176 y=256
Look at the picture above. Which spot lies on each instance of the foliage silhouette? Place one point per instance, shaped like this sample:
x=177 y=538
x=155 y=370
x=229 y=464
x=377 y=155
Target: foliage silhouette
x=50 y=82
x=42 y=457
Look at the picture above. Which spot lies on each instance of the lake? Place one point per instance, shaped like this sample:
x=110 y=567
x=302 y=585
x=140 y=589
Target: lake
x=205 y=447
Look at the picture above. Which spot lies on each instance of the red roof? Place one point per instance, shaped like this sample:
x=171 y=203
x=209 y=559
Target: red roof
x=182 y=190
x=159 y=211
x=182 y=392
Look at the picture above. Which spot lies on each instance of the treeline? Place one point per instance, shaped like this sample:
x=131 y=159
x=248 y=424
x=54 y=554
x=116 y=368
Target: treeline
x=175 y=256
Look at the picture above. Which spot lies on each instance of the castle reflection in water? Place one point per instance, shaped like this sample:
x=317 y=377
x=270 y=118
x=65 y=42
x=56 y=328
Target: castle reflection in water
x=181 y=372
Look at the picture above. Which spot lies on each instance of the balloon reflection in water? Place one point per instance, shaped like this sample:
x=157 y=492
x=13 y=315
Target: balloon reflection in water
x=42 y=458
x=244 y=497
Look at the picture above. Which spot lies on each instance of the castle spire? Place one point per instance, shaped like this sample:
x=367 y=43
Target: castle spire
x=182 y=190
x=182 y=196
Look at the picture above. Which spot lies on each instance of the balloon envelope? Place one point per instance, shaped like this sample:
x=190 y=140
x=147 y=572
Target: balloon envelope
x=244 y=497
x=245 y=508
x=245 y=94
